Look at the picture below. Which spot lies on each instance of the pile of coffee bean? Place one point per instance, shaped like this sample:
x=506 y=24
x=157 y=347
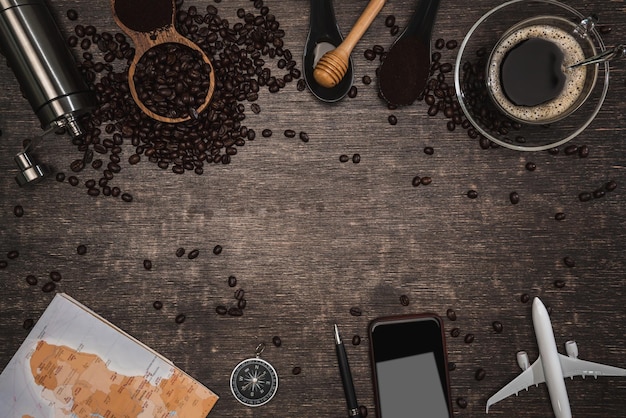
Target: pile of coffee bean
x=240 y=304
x=238 y=53
x=172 y=80
x=599 y=192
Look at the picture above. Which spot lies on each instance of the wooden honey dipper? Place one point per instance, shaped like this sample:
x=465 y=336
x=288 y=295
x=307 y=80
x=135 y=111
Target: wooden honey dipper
x=332 y=67
x=145 y=37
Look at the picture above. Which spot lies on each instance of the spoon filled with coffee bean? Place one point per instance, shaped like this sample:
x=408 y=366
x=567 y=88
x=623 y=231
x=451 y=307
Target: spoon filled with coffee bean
x=405 y=69
x=170 y=78
x=333 y=65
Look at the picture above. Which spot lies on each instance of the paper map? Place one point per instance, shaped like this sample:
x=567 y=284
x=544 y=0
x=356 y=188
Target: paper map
x=75 y=364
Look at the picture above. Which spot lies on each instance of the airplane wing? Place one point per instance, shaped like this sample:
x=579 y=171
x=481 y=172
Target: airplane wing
x=531 y=376
x=575 y=367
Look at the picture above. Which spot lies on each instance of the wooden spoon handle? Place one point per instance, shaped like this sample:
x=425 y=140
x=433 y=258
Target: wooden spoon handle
x=362 y=24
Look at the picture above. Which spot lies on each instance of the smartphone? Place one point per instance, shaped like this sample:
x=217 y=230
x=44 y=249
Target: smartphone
x=410 y=367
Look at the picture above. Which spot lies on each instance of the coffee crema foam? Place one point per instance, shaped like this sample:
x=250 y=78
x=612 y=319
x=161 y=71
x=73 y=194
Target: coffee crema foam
x=574 y=78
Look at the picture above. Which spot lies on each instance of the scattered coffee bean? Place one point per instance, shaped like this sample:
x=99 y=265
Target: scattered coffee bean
x=461 y=402
x=296 y=370
x=531 y=166
x=344 y=158
x=469 y=338
x=242 y=303
x=610 y=186
x=480 y=374
x=72 y=14
x=455 y=332
x=147 y=264
x=514 y=198
x=452 y=44
x=49 y=287
x=221 y=310
x=235 y=311
x=356 y=311
x=583 y=151
x=597 y=194
x=277 y=341
x=73 y=180
x=180 y=318
x=426 y=180
x=290 y=133
x=559 y=284
x=569 y=261
x=81 y=249
x=472 y=194
x=497 y=326
x=429 y=150
x=55 y=276
x=356 y=158
x=304 y=137
x=3 y=264
x=18 y=211
x=232 y=281
x=352 y=93
x=217 y=249
x=525 y=298
x=12 y=255
x=157 y=304
x=356 y=340
x=559 y=216
x=392 y=119
x=366 y=79
x=28 y=323
x=440 y=43
x=390 y=20
x=127 y=197
x=451 y=314
x=256 y=109
x=570 y=150
x=394 y=30
x=180 y=252
x=193 y=254
x=417 y=180
x=239 y=294
x=584 y=197
x=362 y=411
x=60 y=177
x=31 y=280
x=404 y=300
x=451 y=366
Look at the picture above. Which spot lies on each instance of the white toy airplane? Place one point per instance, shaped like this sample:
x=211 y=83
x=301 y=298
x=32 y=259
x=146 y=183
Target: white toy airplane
x=551 y=367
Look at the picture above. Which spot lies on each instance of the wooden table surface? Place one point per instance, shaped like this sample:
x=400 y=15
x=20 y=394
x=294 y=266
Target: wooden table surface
x=308 y=237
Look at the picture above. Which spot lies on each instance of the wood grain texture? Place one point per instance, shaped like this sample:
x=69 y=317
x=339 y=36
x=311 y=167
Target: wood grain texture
x=309 y=237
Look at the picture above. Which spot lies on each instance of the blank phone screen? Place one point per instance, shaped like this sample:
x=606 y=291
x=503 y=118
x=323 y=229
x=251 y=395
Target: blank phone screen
x=409 y=387
x=410 y=369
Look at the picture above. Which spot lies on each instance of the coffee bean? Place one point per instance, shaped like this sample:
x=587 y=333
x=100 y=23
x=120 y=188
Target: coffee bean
x=344 y=158
x=49 y=287
x=525 y=298
x=81 y=249
x=480 y=374
x=72 y=14
x=239 y=294
x=531 y=166
x=394 y=30
x=55 y=276
x=569 y=261
x=497 y=326
x=451 y=314
x=585 y=197
x=232 y=281
x=469 y=338
x=583 y=151
x=369 y=54
x=304 y=137
x=290 y=133
x=277 y=341
x=147 y=264
x=417 y=180
x=31 y=280
x=356 y=340
x=356 y=158
x=455 y=332
x=242 y=303
x=356 y=311
x=193 y=254
x=599 y=193
x=217 y=249
x=28 y=323
x=472 y=194
x=451 y=44
x=60 y=177
x=451 y=366
x=221 y=310
x=461 y=402
x=157 y=304
x=429 y=150
x=559 y=284
x=514 y=198
x=440 y=43
x=180 y=318
x=392 y=119
x=180 y=252
x=18 y=211
x=127 y=197
x=610 y=186
x=559 y=216
x=352 y=93
x=296 y=370
x=3 y=264
x=426 y=180
x=235 y=311
x=13 y=254
x=390 y=20
x=570 y=150
x=366 y=79
x=404 y=300
x=362 y=411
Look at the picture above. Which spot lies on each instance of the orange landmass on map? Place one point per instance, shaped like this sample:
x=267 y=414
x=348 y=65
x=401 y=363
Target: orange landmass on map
x=82 y=384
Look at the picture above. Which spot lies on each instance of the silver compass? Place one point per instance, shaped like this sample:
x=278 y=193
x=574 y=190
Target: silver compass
x=254 y=381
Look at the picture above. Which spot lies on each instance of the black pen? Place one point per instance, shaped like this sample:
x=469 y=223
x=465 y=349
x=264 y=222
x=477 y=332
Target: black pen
x=346 y=376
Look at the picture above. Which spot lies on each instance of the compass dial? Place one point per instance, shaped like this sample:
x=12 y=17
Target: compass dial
x=254 y=382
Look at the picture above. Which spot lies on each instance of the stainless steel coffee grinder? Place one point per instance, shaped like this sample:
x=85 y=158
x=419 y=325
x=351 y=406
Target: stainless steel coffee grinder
x=47 y=73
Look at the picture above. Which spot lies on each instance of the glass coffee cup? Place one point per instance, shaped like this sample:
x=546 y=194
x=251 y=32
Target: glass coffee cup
x=513 y=79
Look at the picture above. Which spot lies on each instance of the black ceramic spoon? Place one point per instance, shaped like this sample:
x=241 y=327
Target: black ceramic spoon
x=324 y=35
x=403 y=74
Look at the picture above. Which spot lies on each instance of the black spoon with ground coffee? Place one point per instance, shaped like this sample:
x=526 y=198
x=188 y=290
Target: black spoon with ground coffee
x=405 y=69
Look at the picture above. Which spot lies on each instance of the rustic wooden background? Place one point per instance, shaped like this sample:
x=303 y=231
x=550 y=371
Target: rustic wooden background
x=309 y=237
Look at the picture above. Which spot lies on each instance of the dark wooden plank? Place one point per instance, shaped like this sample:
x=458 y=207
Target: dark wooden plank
x=308 y=237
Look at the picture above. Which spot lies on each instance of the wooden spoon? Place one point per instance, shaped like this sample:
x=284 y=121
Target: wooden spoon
x=146 y=39
x=332 y=67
